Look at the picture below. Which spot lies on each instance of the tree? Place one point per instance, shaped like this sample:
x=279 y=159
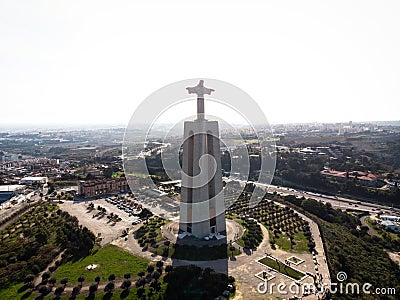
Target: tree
x=127 y=275
x=29 y=279
x=126 y=284
x=97 y=279
x=156 y=276
x=141 y=274
x=232 y=248
x=46 y=275
x=75 y=290
x=81 y=279
x=141 y=282
x=59 y=290
x=64 y=281
x=43 y=289
x=52 y=281
x=150 y=269
x=93 y=288
x=35 y=269
x=111 y=277
x=109 y=287
x=168 y=268
x=159 y=264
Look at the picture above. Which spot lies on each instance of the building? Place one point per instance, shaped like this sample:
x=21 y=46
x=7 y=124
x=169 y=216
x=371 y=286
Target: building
x=16 y=188
x=364 y=178
x=102 y=187
x=390 y=218
x=155 y=193
x=202 y=208
x=391 y=226
x=9 y=191
x=174 y=185
x=33 y=180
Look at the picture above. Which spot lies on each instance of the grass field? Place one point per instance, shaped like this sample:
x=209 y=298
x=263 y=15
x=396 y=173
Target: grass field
x=110 y=260
x=12 y=293
x=282 y=268
x=381 y=232
x=150 y=233
x=300 y=246
x=252 y=230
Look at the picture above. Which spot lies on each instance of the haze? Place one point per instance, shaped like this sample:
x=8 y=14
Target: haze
x=93 y=62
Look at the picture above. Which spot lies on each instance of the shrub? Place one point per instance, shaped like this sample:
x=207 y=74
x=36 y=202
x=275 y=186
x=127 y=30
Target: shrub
x=111 y=277
x=92 y=288
x=109 y=287
x=59 y=290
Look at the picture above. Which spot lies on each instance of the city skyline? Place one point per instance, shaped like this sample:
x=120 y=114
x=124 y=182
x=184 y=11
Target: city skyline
x=90 y=64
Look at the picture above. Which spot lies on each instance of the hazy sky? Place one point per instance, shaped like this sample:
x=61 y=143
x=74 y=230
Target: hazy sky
x=82 y=62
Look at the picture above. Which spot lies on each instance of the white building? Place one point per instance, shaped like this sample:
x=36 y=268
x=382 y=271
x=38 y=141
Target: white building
x=389 y=225
x=16 y=188
x=390 y=218
x=33 y=180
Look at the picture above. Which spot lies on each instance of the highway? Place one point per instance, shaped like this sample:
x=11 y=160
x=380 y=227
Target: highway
x=336 y=201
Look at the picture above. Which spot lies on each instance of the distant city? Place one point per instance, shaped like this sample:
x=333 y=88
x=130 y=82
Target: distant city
x=332 y=206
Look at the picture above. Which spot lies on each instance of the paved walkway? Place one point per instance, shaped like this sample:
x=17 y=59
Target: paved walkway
x=371 y=231
x=233 y=229
x=242 y=267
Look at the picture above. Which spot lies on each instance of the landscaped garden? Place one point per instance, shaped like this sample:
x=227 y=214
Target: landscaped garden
x=296 y=242
x=295 y=260
x=282 y=268
x=252 y=236
x=108 y=260
x=149 y=236
x=149 y=233
x=286 y=228
x=31 y=243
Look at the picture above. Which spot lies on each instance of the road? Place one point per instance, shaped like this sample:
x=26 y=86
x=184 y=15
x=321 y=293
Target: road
x=371 y=230
x=336 y=201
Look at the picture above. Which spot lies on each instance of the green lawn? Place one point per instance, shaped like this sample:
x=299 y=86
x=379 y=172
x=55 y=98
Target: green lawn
x=252 y=229
x=161 y=248
x=283 y=242
x=119 y=294
x=282 y=268
x=381 y=232
x=12 y=293
x=150 y=233
x=110 y=259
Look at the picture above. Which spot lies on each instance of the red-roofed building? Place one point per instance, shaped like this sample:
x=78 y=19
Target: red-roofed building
x=365 y=178
x=102 y=187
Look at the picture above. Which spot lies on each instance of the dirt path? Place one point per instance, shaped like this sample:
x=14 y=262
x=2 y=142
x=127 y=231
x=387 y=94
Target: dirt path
x=394 y=256
x=16 y=217
x=38 y=279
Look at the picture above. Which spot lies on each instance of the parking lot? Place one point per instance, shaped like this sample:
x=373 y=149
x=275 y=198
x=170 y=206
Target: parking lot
x=100 y=224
